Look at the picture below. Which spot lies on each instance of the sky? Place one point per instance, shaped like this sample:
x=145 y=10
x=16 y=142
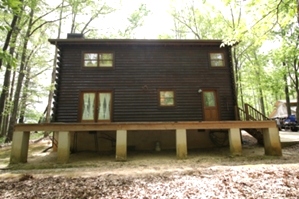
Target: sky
x=156 y=23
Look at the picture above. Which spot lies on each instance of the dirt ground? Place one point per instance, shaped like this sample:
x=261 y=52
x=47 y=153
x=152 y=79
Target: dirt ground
x=206 y=173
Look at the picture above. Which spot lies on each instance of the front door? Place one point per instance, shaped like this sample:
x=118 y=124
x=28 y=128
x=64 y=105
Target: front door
x=210 y=106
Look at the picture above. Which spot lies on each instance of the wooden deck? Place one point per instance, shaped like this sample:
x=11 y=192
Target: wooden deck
x=22 y=132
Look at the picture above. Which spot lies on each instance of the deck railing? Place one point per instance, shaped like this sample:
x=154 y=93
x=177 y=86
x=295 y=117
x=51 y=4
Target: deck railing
x=249 y=113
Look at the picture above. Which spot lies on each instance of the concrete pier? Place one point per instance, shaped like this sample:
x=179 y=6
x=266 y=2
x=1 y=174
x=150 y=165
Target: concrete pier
x=63 y=150
x=181 y=143
x=272 y=144
x=19 y=148
x=235 y=144
x=121 y=145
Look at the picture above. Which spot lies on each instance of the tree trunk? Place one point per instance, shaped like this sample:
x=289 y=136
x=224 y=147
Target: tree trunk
x=13 y=25
x=241 y=91
x=6 y=81
x=14 y=113
x=262 y=102
x=51 y=92
x=237 y=76
x=287 y=94
x=9 y=35
x=25 y=96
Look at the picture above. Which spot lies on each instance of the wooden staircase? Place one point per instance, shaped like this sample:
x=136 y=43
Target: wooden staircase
x=249 y=113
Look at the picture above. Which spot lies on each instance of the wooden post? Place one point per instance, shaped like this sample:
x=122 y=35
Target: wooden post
x=63 y=150
x=181 y=143
x=19 y=148
x=272 y=143
x=235 y=141
x=247 y=112
x=121 y=145
x=55 y=141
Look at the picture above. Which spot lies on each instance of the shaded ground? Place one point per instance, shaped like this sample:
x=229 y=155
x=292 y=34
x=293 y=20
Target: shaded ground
x=209 y=173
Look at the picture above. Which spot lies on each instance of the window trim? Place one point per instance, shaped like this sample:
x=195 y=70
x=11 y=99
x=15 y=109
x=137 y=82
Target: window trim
x=159 y=97
x=223 y=60
x=96 y=105
x=98 y=67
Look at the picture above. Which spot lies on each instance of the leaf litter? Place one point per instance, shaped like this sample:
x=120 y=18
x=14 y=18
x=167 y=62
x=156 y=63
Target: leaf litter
x=151 y=179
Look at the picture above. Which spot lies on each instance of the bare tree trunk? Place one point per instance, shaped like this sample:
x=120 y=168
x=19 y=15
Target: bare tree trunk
x=241 y=91
x=287 y=94
x=14 y=113
x=296 y=83
x=296 y=67
x=3 y=99
x=9 y=35
x=7 y=76
x=25 y=95
x=235 y=61
x=8 y=104
x=262 y=102
x=51 y=92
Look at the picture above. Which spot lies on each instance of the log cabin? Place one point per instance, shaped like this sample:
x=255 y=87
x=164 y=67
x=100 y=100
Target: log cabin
x=112 y=80
x=122 y=94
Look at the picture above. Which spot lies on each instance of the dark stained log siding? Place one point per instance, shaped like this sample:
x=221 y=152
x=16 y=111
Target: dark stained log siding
x=139 y=73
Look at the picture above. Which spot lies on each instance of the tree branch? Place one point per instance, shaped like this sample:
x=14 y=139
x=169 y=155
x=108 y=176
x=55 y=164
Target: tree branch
x=40 y=17
x=46 y=22
x=188 y=26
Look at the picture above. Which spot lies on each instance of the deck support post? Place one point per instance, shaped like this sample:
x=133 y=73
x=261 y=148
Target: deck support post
x=63 y=148
x=272 y=143
x=19 y=148
x=181 y=143
x=121 y=145
x=235 y=144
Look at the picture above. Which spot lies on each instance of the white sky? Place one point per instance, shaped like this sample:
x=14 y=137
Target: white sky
x=156 y=23
x=159 y=20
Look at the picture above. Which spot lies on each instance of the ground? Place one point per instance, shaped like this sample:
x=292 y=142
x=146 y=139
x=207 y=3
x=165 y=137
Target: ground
x=209 y=173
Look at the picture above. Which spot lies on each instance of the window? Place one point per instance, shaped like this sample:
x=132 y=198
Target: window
x=166 y=98
x=96 y=106
x=217 y=59
x=209 y=99
x=102 y=60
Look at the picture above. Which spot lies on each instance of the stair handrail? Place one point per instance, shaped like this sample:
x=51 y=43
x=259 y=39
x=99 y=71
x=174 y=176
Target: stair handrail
x=254 y=114
x=240 y=113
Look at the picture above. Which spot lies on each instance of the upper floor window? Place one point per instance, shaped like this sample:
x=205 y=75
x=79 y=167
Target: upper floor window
x=167 y=98
x=104 y=60
x=217 y=59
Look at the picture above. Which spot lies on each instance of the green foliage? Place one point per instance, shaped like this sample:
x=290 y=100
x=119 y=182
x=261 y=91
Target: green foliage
x=136 y=20
x=10 y=5
x=7 y=58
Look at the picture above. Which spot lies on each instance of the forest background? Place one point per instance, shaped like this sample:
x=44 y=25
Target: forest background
x=264 y=35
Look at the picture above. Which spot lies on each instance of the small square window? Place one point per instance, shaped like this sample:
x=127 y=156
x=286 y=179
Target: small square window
x=217 y=59
x=90 y=59
x=166 y=98
x=104 y=60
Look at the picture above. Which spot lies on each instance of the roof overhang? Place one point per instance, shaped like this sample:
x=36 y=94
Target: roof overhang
x=141 y=42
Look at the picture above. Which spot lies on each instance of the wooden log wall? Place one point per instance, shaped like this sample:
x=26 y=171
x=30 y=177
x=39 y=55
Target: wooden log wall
x=139 y=72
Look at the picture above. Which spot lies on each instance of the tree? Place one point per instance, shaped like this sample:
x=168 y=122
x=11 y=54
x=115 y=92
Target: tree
x=13 y=7
x=88 y=11
x=33 y=25
x=136 y=19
